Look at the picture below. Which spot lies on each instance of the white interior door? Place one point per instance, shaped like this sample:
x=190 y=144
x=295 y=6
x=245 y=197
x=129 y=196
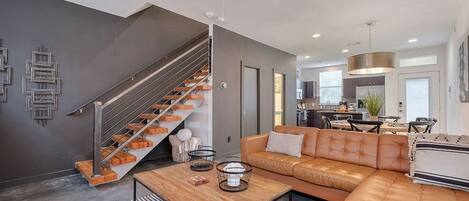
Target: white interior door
x=419 y=96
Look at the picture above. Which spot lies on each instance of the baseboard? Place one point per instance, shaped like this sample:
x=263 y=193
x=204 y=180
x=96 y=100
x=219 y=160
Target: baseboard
x=25 y=180
x=231 y=153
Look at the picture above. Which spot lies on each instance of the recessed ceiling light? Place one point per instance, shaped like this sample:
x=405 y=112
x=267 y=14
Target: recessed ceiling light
x=209 y=14
x=316 y=35
x=345 y=50
x=413 y=40
x=307 y=57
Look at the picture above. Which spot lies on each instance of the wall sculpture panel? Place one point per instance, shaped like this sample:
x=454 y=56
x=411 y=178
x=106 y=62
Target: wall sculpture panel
x=41 y=85
x=5 y=71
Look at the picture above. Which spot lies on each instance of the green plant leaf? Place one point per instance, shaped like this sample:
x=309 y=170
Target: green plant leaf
x=373 y=104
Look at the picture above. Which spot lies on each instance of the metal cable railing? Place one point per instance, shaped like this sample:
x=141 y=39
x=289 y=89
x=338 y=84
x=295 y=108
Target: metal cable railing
x=123 y=84
x=112 y=116
x=142 y=99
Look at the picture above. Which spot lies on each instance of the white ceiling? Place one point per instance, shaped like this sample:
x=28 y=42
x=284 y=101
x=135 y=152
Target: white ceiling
x=289 y=25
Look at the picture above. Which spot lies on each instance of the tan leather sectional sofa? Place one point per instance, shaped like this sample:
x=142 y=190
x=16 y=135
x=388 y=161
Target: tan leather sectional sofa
x=344 y=165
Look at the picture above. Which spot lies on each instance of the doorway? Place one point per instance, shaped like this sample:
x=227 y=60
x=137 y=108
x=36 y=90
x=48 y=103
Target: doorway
x=279 y=99
x=250 y=101
x=419 y=96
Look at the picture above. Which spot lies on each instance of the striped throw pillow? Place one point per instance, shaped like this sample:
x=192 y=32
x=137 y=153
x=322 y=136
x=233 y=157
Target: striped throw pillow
x=442 y=164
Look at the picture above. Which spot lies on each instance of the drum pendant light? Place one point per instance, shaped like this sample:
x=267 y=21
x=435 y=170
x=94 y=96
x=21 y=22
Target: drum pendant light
x=371 y=63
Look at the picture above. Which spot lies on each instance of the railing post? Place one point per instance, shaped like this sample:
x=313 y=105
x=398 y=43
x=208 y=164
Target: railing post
x=98 y=117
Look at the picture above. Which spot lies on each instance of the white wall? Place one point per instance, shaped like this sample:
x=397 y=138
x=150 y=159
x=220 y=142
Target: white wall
x=391 y=87
x=458 y=113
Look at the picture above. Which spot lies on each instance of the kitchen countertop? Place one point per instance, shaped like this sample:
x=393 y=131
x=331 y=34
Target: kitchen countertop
x=338 y=112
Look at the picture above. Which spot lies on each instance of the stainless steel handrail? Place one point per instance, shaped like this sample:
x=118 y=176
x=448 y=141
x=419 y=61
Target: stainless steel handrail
x=135 y=135
x=158 y=61
x=152 y=74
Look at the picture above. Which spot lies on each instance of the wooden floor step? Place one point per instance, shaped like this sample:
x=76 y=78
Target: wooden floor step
x=166 y=117
x=200 y=74
x=152 y=130
x=86 y=169
x=119 y=158
x=137 y=143
x=175 y=107
x=191 y=81
x=199 y=88
x=188 y=97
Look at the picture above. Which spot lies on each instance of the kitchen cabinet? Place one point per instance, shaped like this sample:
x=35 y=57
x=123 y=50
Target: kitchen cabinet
x=350 y=84
x=310 y=89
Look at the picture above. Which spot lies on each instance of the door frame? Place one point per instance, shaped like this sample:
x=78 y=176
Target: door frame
x=435 y=99
x=283 y=98
x=242 y=66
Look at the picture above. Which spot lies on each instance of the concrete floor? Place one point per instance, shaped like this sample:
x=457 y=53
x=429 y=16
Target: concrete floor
x=75 y=188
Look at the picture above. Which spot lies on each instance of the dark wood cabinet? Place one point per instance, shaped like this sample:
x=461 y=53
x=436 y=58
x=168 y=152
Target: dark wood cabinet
x=310 y=89
x=350 y=84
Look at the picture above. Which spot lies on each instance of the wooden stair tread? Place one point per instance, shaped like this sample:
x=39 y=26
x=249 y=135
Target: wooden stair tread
x=86 y=170
x=201 y=74
x=119 y=158
x=166 y=117
x=191 y=81
x=188 y=97
x=151 y=130
x=137 y=143
x=175 y=107
x=200 y=88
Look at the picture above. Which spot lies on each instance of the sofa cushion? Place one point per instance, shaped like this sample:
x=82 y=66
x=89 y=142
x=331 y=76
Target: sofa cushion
x=392 y=153
x=386 y=185
x=285 y=143
x=334 y=174
x=275 y=162
x=347 y=146
x=309 y=140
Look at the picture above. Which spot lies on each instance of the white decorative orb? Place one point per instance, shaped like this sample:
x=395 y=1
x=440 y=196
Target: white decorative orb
x=184 y=134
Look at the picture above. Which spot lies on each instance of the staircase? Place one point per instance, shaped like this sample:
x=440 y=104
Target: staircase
x=131 y=124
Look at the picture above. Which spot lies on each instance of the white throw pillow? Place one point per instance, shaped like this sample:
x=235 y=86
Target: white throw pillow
x=285 y=143
x=442 y=164
x=443 y=138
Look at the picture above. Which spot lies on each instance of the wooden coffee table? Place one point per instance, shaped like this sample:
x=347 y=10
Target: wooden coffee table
x=172 y=183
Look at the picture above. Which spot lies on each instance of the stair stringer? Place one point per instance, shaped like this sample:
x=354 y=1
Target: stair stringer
x=123 y=169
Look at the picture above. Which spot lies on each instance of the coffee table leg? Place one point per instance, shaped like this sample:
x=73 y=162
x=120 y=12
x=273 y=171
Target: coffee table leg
x=135 y=190
x=290 y=196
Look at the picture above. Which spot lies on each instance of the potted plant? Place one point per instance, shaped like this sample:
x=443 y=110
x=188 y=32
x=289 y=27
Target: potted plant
x=373 y=104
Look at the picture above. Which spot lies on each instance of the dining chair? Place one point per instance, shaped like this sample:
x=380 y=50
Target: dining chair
x=392 y=118
x=342 y=116
x=355 y=123
x=427 y=119
x=326 y=122
x=414 y=126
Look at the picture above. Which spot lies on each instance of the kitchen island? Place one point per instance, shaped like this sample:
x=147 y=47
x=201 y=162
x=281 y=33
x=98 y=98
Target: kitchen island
x=314 y=118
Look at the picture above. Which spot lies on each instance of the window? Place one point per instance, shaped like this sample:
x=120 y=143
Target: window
x=330 y=87
x=279 y=99
x=419 y=61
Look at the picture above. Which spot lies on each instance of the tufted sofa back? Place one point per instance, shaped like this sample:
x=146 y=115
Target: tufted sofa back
x=347 y=146
x=393 y=153
x=309 y=139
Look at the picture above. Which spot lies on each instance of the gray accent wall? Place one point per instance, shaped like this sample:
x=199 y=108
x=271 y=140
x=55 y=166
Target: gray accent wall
x=94 y=50
x=229 y=51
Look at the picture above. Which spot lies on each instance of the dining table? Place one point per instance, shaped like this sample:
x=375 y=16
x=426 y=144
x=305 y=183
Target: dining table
x=387 y=127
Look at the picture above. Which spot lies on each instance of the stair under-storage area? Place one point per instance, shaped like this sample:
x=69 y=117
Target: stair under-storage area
x=129 y=125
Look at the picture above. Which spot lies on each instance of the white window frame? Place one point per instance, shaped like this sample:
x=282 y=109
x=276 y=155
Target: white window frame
x=321 y=86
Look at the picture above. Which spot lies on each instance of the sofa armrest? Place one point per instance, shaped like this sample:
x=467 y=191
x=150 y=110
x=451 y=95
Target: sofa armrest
x=253 y=144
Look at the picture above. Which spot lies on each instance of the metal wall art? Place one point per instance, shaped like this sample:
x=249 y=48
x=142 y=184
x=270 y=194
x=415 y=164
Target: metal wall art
x=464 y=71
x=5 y=71
x=41 y=85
